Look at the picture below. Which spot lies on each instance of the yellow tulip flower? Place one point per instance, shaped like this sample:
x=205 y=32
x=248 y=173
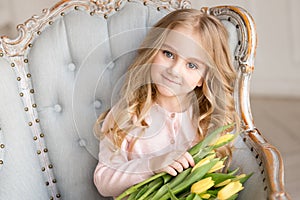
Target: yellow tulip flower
x=217 y=166
x=229 y=190
x=240 y=176
x=224 y=138
x=204 y=161
x=202 y=185
x=205 y=196
x=223 y=183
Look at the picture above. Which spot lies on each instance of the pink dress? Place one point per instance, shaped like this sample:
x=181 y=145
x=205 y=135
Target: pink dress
x=120 y=168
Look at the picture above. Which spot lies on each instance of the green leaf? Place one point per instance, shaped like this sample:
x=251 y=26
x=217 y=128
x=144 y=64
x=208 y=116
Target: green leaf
x=142 y=191
x=175 y=181
x=190 y=196
x=244 y=179
x=197 y=197
x=219 y=177
x=193 y=177
x=163 y=190
x=132 y=195
x=153 y=186
x=208 y=139
x=137 y=186
x=172 y=195
x=180 y=177
x=167 y=178
x=213 y=193
x=202 y=153
x=233 y=172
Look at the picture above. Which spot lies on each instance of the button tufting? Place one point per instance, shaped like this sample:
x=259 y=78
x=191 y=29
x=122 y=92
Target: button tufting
x=72 y=67
x=57 y=108
x=82 y=142
x=97 y=104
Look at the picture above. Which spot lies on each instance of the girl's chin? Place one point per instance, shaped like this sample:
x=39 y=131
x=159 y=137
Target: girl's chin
x=167 y=92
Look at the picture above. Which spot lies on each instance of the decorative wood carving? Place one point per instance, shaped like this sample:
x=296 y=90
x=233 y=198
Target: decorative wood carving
x=169 y=4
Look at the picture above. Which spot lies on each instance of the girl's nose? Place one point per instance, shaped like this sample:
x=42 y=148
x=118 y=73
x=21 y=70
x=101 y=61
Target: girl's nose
x=176 y=67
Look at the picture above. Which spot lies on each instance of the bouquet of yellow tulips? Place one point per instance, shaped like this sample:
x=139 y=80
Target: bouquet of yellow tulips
x=195 y=183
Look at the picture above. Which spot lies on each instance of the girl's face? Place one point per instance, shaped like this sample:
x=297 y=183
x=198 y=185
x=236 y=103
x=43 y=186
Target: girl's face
x=178 y=68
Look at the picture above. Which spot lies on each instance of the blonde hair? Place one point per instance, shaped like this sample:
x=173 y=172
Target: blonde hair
x=214 y=97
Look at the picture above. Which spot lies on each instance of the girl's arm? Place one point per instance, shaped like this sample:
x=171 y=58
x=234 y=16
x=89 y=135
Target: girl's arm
x=115 y=173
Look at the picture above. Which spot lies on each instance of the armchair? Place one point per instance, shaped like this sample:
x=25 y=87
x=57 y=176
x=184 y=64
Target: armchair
x=58 y=75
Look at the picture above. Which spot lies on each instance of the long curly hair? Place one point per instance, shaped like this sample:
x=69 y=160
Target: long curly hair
x=214 y=99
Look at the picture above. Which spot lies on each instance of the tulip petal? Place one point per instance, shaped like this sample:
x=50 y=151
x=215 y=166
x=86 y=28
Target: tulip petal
x=229 y=190
x=202 y=185
x=217 y=166
x=204 y=161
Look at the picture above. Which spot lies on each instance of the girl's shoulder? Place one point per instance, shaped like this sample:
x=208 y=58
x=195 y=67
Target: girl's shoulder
x=109 y=119
x=116 y=116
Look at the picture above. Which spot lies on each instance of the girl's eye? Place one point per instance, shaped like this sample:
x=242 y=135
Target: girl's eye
x=168 y=54
x=192 y=66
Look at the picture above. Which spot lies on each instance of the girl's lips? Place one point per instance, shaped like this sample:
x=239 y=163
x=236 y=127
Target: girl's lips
x=169 y=80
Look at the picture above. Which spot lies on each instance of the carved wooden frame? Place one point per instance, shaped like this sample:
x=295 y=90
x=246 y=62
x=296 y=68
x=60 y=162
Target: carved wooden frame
x=16 y=50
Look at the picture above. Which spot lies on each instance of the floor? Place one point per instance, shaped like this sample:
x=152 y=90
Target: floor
x=279 y=122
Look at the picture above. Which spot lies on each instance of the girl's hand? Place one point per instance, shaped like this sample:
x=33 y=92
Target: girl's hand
x=184 y=162
x=172 y=163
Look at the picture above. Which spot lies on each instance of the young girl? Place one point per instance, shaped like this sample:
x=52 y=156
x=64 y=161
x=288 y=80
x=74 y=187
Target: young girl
x=178 y=88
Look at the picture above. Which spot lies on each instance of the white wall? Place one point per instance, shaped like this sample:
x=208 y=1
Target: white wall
x=277 y=71
x=277 y=68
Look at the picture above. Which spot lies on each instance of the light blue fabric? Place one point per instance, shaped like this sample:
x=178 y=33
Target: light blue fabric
x=20 y=176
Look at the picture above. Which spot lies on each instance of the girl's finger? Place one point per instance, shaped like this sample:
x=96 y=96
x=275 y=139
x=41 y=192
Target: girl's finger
x=184 y=162
x=170 y=170
x=177 y=166
x=189 y=158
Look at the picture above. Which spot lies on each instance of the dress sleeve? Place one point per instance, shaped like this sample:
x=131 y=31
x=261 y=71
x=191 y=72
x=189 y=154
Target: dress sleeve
x=115 y=172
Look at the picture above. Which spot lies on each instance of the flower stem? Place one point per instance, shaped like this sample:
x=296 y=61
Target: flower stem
x=137 y=186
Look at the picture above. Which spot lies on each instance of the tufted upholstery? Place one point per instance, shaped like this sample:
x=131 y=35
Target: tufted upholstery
x=56 y=78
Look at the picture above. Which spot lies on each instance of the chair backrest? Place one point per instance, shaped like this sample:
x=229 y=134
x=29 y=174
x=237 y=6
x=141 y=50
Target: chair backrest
x=60 y=73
